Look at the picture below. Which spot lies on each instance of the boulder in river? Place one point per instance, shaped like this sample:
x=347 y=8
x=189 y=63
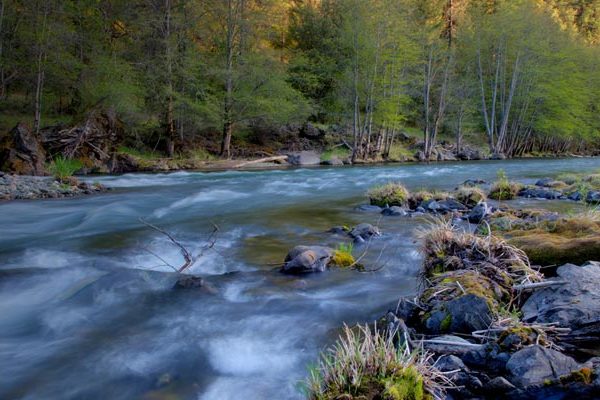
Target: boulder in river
x=536 y=365
x=593 y=197
x=364 y=232
x=304 y=158
x=573 y=304
x=21 y=152
x=304 y=259
x=535 y=193
x=369 y=208
x=394 y=211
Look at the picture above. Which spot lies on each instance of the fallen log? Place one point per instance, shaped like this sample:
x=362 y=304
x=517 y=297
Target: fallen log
x=260 y=160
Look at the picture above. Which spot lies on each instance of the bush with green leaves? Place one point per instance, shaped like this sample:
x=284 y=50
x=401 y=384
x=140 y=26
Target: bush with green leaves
x=390 y=194
x=62 y=168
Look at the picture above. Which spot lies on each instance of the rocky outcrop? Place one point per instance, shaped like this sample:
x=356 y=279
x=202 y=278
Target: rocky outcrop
x=305 y=259
x=21 y=152
x=24 y=187
x=536 y=365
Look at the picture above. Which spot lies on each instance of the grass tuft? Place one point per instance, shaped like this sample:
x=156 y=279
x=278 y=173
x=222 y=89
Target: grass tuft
x=63 y=168
x=390 y=194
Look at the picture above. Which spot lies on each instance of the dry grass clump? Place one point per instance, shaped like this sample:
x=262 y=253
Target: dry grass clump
x=365 y=364
x=447 y=249
x=416 y=198
x=390 y=194
x=503 y=189
x=470 y=195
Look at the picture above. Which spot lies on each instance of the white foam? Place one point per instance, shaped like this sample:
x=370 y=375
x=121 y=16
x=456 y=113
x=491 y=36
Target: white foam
x=216 y=195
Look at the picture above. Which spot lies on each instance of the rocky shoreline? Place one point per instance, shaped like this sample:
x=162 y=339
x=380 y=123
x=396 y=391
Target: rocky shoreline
x=25 y=187
x=487 y=322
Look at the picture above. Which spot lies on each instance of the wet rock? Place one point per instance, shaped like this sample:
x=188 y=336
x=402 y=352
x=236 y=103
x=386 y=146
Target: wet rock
x=432 y=206
x=575 y=196
x=369 y=208
x=499 y=385
x=452 y=205
x=540 y=193
x=498 y=156
x=21 y=152
x=364 y=232
x=307 y=157
x=394 y=211
x=450 y=362
x=593 y=197
x=478 y=213
x=123 y=163
x=489 y=357
x=304 y=259
x=574 y=304
x=535 y=365
x=420 y=210
x=189 y=282
x=465 y=314
x=473 y=182
x=546 y=182
x=468 y=153
x=339 y=230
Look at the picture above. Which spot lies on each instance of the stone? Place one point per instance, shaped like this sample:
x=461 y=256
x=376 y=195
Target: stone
x=189 y=282
x=535 y=365
x=305 y=259
x=452 y=205
x=540 y=193
x=478 y=213
x=21 y=152
x=307 y=157
x=574 y=304
x=334 y=161
x=473 y=182
x=575 y=196
x=500 y=384
x=498 y=156
x=449 y=362
x=394 y=211
x=546 y=182
x=369 y=208
x=339 y=230
x=364 y=232
x=593 y=197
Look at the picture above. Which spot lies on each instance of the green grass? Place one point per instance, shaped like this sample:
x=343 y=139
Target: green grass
x=62 y=168
x=143 y=154
x=399 y=152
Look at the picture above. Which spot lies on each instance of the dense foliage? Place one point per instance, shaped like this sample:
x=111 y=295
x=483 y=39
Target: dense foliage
x=520 y=75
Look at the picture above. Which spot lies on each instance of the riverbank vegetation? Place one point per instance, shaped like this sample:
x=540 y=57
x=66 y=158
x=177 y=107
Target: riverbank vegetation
x=387 y=78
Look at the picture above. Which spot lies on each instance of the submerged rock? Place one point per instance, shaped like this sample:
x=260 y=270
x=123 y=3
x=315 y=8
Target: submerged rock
x=189 y=282
x=364 y=232
x=304 y=259
x=536 y=365
x=369 y=208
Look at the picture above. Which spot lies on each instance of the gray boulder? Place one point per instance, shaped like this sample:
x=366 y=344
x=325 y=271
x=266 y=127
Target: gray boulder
x=465 y=314
x=394 y=211
x=363 y=232
x=593 y=197
x=540 y=193
x=575 y=196
x=574 y=304
x=478 y=213
x=304 y=259
x=452 y=205
x=307 y=157
x=535 y=365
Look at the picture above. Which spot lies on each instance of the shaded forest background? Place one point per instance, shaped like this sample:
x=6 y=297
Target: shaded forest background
x=223 y=76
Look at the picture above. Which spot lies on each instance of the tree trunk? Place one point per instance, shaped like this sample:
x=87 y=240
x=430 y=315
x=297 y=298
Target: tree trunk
x=228 y=100
x=170 y=124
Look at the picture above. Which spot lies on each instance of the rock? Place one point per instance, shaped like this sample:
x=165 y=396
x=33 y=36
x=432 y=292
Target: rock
x=575 y=196
x=420 y=210
x=574 y=304
x=498 y=156
x=468 y=153
x=122 y=163
x=465 y=314
x=369 y=208
x=307 y=157
x=540 y=193
x=333 y=161
x=450 y=362
x=311 y=132
x=452 y=205
x=363 y=232
x=431 y=205
x=189 y=282
x=339 y=230
x=394 y=211
x=546 y=182
x=473 y=182
x=406 y=310
x=593 y=197
x=304 y=259
x=500 y=384
x=535 y=365
x=21 y=152
x=478 y=213
x=489 y=357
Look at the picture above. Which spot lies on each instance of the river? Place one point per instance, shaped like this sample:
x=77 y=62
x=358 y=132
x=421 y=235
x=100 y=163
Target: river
x=87 y=309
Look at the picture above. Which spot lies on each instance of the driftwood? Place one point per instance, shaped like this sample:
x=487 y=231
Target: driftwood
x=189 y=258
x=260 y=160
x=538 y=285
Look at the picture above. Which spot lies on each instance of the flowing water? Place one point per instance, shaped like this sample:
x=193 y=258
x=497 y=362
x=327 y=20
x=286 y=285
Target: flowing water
x=87 y=309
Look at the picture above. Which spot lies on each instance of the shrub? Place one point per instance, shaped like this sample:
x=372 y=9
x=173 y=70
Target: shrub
x=503 y=189
x=62 y=168
x=366 y=363
x=390 y=194
x=342 y=257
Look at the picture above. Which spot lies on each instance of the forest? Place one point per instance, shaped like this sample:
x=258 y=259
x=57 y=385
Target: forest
x=513 y=76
